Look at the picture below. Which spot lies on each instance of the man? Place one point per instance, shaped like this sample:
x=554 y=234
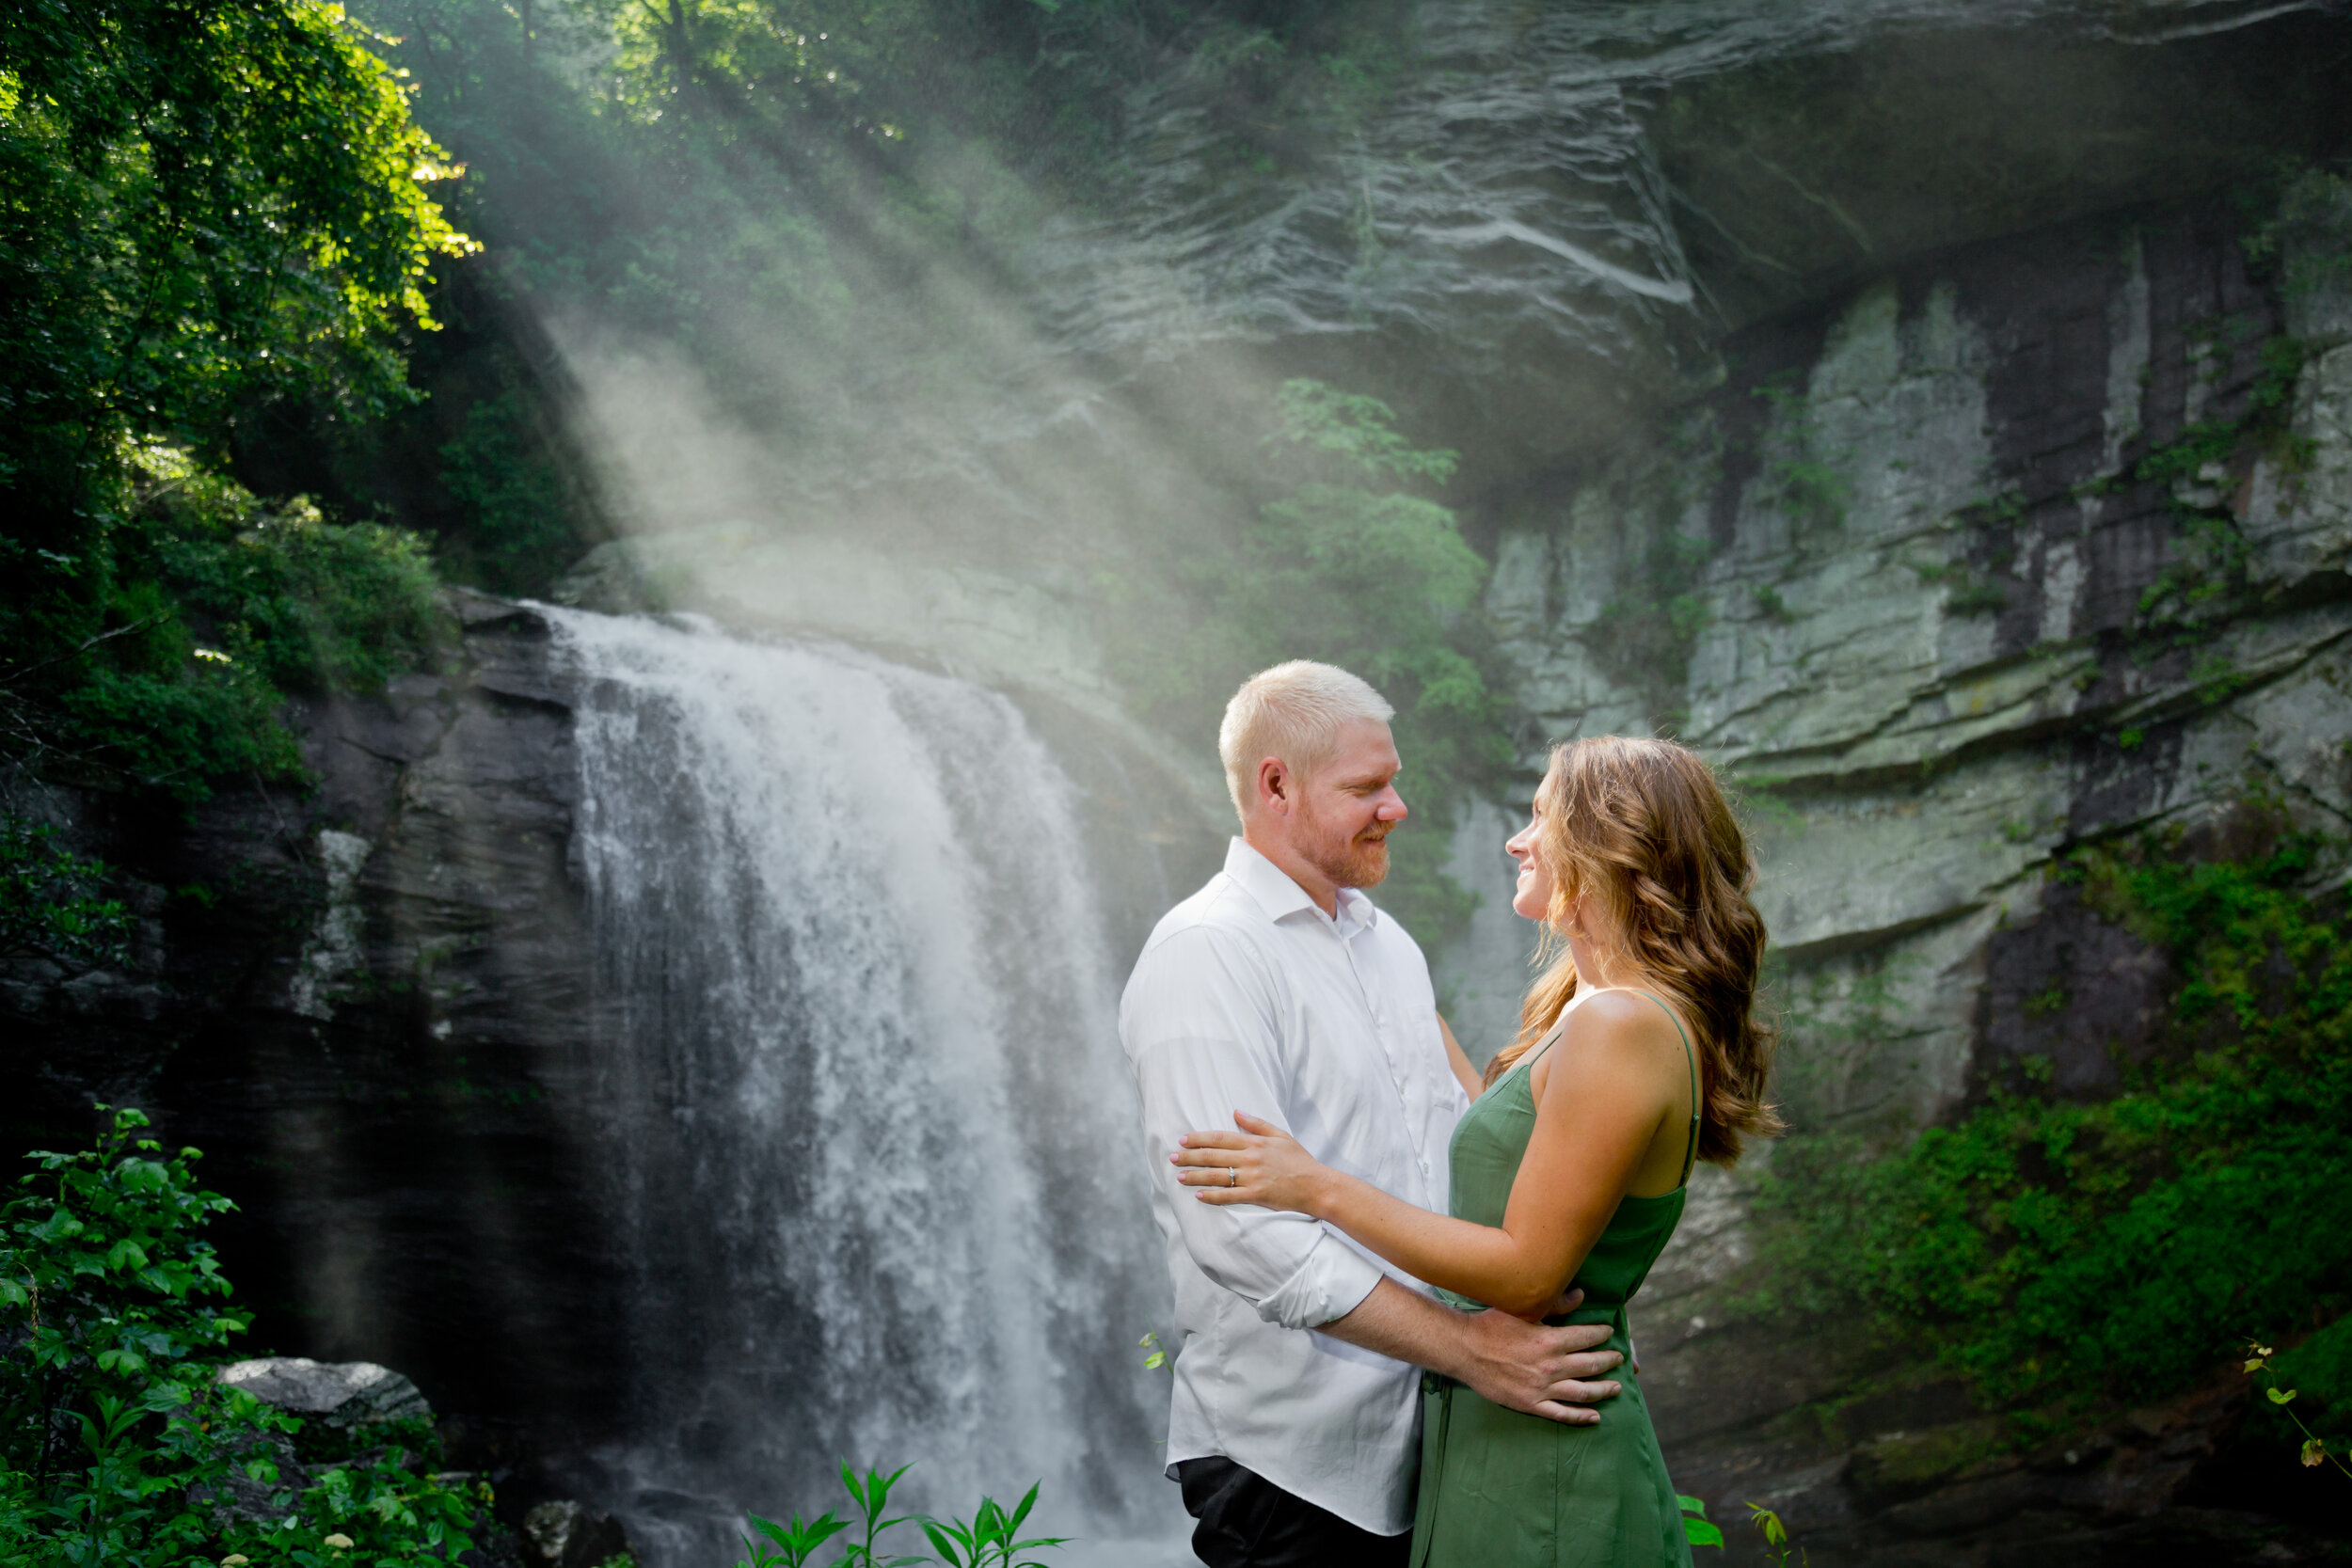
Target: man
x=1280 y=989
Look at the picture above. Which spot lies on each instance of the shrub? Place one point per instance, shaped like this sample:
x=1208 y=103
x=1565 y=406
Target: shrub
x=50 y=901
x=117 y=1443
x=2044 y=1247
x=214 y=607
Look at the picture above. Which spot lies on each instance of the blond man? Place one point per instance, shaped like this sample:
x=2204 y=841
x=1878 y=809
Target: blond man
x=1280 y=989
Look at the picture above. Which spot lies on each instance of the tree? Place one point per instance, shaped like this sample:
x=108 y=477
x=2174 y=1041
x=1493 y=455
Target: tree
x=203 y=206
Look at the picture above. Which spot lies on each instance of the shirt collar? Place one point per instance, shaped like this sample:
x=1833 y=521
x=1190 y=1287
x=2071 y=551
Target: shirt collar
x=1279 y=895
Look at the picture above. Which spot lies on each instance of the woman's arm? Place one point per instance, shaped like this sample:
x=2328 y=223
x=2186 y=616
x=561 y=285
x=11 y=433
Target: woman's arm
x=1605 y=1099
x=1458 y=1059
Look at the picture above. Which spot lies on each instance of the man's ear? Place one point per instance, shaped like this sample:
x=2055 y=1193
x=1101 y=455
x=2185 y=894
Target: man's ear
x=1275 y=786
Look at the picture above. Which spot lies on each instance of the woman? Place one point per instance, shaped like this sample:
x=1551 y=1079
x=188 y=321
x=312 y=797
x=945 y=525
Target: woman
x=1636 y=1054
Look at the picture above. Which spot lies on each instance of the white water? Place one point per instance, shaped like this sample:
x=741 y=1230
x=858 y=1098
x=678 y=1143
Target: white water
x=869 y=1138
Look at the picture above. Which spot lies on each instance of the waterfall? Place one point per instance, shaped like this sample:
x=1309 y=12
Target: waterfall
x=870 y=1140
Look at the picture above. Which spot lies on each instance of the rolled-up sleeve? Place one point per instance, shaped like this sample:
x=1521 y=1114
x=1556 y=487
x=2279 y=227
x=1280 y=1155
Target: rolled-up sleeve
x=1199 y=1026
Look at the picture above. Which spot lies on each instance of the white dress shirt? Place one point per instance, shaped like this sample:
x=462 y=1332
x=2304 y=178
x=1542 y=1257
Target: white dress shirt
x=1249 y=997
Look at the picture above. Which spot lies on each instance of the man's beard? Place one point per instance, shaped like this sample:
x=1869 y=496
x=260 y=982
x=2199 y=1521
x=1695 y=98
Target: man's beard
x=1358 y=861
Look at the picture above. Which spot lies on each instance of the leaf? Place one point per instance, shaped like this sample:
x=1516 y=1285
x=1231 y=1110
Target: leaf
x=2278 y=1398
x=2313 y=1451
x=1691 y=1505
x=1698 y=1532
x=946 y=1546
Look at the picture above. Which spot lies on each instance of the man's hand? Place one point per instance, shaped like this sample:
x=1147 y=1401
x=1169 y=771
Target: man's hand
x=1554 y=1373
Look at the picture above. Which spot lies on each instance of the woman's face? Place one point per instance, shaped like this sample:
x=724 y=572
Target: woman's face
x=1532 y=898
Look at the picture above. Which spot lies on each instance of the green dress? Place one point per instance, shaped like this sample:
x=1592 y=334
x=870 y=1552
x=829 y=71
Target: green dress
x=1504 y=1490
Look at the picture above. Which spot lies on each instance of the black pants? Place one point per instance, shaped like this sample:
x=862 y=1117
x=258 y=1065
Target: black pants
x=1249 y=1522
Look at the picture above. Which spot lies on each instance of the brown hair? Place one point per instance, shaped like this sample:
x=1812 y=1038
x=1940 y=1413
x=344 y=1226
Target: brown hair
x=1642 y=828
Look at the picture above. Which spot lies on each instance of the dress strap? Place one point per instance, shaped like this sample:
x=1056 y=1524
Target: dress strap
x=1551 y=1037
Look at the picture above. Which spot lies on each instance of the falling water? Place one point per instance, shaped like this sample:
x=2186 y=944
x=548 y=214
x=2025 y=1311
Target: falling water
x=869 y=1137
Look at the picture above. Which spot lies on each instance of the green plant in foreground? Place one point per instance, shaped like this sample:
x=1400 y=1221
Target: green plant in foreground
x=1696 y=1530
x=119 y=1445
x=990 y=1539
x=792 y=1544
x=872 y=1497
x=1775 y=1536
x=2315 y=1451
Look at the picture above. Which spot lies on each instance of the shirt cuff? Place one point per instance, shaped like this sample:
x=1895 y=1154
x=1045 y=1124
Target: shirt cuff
x=1331 y=1283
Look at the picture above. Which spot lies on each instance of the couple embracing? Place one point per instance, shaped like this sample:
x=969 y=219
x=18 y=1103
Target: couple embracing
x=1401 y=1285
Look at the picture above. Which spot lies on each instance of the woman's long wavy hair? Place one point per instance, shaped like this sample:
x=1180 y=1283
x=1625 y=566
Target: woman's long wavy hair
x=1641 y=830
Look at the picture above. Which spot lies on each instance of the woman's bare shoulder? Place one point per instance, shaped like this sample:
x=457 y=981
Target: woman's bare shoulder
x=1626 y=1025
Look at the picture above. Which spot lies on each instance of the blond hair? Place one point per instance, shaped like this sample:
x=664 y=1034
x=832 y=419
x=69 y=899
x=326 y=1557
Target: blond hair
x=1294 y=711
x=1642 y=829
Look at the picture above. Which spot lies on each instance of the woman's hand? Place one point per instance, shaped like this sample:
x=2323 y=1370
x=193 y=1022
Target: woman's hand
x=1261 y=1165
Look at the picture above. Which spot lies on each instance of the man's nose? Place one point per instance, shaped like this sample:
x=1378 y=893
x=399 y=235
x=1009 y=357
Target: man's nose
x=1392 y=808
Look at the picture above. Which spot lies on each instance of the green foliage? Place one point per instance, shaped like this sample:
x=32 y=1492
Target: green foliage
x=1696 y=1530
x=990 y=1539
x=205 y=211
x=789 y=1546
x=2307 y=232
x=203 y=206
x=1977 y=599
x=872 y=1497
x=1811 y=487
x=2319 y=1369
x=518 y=526
x=1321 y=417
x=2049 y=1248
x=117 y=1445
x=1645 y=638
x=1375 y=581
x=1776 y=1533
x=49 y=899
x=216 y=607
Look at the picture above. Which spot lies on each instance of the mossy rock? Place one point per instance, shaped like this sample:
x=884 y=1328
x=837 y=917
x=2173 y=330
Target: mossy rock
x=1905 y=1465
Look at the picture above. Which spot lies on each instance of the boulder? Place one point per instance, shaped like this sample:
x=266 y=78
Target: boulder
x=566 y=1534
x=347 y=1393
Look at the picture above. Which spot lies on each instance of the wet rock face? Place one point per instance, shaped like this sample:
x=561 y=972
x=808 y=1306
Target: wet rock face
x=361 y=1004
